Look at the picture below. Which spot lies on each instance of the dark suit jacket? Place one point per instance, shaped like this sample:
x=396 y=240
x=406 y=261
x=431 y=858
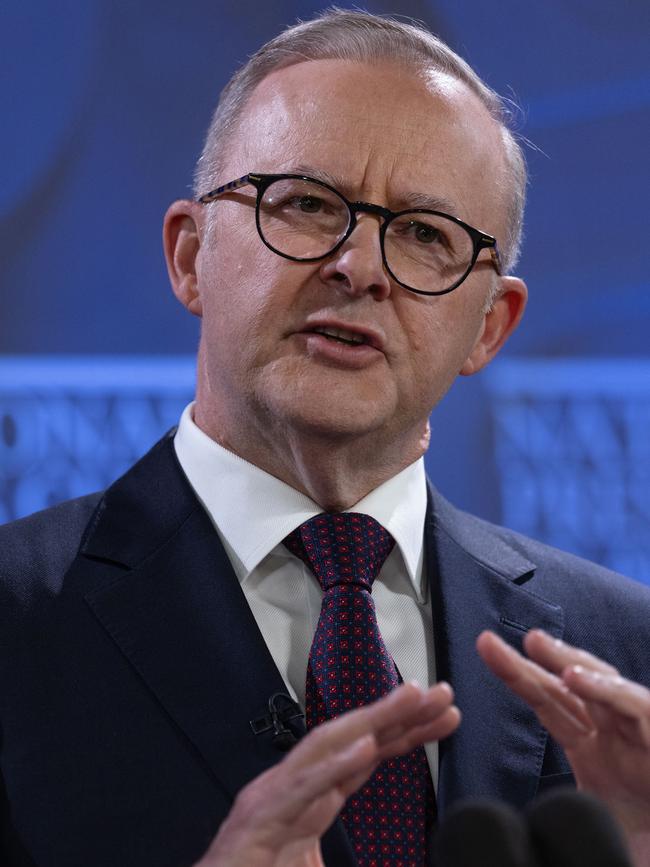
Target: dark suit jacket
x=131 y=665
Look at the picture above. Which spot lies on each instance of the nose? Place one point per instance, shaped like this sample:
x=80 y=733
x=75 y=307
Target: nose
x=357 y=266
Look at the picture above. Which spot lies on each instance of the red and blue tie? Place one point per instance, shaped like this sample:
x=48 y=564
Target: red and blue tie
x=350 y=666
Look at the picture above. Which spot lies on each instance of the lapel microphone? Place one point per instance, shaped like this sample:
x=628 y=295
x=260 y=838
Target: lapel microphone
x=281 y=710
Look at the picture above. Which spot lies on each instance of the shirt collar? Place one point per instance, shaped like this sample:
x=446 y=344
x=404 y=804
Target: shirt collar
x=253 y=511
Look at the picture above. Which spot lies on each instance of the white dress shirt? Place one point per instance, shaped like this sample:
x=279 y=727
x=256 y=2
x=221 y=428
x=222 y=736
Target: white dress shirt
x=253 y=511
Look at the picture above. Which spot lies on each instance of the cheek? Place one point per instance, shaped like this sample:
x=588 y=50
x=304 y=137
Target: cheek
x=246 y=304
x=232 y=256
x=429 y=333
x=440 y=335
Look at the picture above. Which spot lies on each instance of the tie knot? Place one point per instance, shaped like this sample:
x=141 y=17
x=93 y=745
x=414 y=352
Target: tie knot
x=342 y=548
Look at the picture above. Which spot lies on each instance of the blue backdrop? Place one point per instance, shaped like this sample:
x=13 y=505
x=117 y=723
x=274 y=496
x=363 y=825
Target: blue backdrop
x=104 y=106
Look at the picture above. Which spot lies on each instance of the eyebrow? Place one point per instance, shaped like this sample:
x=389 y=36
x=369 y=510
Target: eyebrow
x=321 y=175
x=431 y=203
x=404 y=200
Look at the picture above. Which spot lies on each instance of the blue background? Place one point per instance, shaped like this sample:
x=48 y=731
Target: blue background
x=104 y=107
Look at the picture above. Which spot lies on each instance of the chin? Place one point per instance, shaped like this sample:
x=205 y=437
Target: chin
x=322 y=421
x=317 y=401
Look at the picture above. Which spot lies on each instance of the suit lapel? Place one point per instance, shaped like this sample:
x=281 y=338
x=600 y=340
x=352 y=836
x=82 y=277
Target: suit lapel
x=480 y=582
x=180 y=617
x=164 y=591
x=183 y=622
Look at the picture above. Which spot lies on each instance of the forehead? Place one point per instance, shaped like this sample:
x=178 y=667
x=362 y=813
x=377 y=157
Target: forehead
x=384 y=131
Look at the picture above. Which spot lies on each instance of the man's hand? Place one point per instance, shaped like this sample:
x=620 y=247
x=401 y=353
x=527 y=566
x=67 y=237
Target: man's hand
x=279 y=818
x=601 y=720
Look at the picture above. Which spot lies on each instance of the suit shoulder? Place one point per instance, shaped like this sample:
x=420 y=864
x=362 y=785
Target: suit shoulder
x=41 y=547
x=603 y=612
x=558 y=571
x=571 y=568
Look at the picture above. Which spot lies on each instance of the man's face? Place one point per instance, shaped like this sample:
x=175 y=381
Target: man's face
x=385 y=136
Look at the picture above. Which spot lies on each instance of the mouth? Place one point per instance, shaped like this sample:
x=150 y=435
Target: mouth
x=346 y=334
x=340 y=335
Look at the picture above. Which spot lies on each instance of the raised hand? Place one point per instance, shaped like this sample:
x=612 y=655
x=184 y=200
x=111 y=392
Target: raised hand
x=279 y=818
x=601 y=720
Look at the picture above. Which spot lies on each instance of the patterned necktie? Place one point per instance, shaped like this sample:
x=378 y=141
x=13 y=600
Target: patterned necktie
x=350 y=666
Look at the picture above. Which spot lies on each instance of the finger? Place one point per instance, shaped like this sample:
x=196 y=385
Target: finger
x=433 y=731
x=284 y=794
x=604 y=718
x=558 y=709
x=332 y=735
x=616 y=729
x=432 y=703
x=436 y=718
x=435 y=702
x=555 y=654
x=623 y=705
x=339 y=771
x=404 y=707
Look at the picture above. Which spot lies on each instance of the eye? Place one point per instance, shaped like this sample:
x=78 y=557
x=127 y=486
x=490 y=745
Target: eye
x=309 y=204
x=426 y=234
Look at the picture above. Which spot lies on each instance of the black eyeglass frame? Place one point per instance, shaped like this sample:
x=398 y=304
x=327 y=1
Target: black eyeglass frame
x=261 y=182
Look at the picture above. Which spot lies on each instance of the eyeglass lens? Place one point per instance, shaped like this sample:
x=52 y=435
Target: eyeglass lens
x=305 y=220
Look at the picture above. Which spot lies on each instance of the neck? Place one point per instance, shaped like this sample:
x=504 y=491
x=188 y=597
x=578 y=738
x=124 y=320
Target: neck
x=335 y=472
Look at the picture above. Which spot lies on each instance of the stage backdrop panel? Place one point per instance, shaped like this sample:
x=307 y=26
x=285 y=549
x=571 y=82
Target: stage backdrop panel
x=72 y=425
x=571 y=450
x=573 y=455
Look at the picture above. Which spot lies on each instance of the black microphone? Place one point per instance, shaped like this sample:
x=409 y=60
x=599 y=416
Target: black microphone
x=572 y=829
x=483 y=834
x=282 y=709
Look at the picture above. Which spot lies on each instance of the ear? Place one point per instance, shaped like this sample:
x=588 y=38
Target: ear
x=182 y=242
x=498 y=324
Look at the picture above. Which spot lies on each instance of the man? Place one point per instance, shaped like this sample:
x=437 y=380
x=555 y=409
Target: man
x=357 y=216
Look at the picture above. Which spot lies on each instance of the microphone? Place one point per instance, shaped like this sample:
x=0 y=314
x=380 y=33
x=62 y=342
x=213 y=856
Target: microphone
x=282 y=709
x=484 y=834
x=561 y=829
x=572 y=829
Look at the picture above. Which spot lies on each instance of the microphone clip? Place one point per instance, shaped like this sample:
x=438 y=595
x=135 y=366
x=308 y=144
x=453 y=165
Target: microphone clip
x=282 y=709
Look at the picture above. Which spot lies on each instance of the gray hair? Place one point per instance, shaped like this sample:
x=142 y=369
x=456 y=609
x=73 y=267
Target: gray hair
x=339 y=34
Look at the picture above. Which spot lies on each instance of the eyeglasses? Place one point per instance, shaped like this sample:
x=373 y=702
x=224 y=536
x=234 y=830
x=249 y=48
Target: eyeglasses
x=304 y=219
